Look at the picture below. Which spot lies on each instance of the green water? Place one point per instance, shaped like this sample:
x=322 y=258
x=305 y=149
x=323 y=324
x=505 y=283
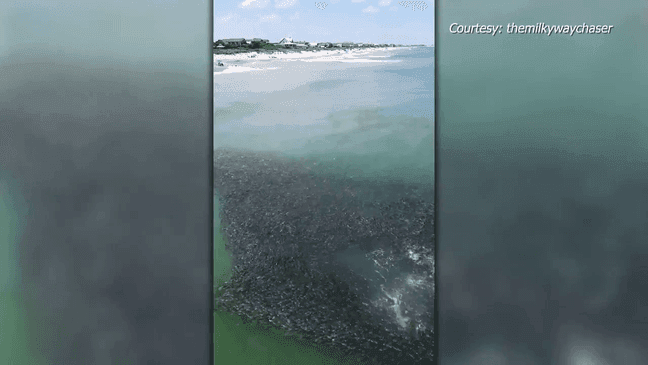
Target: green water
x=14 y=335
x=238 y=343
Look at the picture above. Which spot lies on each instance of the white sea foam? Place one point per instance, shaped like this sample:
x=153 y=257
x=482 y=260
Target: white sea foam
x=395 y=306
x=404 y=295
x=299 y=55
x=361 y=60
x=243 y=62
x=237 y=69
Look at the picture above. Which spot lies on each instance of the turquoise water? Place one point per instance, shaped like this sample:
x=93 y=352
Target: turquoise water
x=364 y=119
x=375 y=117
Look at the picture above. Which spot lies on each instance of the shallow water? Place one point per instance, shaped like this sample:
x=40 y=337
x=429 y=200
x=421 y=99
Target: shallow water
x=353 y=119
x=300 y=107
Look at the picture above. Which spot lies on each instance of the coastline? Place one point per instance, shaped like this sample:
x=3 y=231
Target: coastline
x=248 y=55
x=296 y=50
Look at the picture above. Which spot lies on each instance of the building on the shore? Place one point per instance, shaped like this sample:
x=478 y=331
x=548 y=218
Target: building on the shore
x=301 y=44
x=348 y=44
x=286 y=42
x=231 y=42
x=235 y=41
x=325 y=44
x=312 y=44
x=219 y=46
x=265 y=41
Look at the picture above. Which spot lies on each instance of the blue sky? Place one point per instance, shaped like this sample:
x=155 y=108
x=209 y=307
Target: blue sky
x=377 y=21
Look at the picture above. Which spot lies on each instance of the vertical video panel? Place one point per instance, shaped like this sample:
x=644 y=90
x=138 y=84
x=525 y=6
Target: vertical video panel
x=324 y=182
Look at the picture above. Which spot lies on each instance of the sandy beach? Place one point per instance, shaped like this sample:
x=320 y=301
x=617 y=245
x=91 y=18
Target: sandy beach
x=257 y=61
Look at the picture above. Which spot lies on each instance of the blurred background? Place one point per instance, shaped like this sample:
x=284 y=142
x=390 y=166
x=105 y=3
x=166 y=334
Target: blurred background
x=543 y=200
x=104 y=178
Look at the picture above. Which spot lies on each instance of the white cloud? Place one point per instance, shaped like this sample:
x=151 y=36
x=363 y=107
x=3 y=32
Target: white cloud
x=370 y=9
x=272 y=18
x=283 y=4
x=394 y=8
x=254 y=4
x=384 y=2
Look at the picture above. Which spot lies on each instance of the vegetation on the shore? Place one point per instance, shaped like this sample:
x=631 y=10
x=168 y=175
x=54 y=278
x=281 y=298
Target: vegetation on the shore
x=254 y=47
x=257 y=46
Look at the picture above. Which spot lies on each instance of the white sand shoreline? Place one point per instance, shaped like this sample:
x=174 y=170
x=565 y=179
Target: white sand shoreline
x=299 y=55
x=241 y=62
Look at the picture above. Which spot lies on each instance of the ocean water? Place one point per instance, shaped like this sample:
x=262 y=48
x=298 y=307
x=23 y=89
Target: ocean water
x=372 y=110
x=359 y=114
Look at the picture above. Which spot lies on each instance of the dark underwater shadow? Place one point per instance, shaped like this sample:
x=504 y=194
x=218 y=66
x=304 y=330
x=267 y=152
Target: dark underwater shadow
x=345 y=263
